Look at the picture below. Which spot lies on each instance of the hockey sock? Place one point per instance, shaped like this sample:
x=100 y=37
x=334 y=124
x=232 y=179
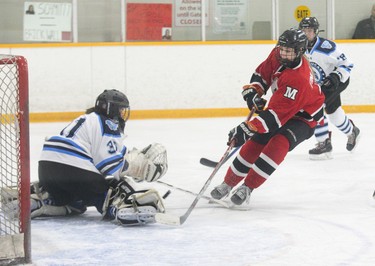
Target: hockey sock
x=322 y=131
x=271 y=157
x=243 y=163
x=341 y=121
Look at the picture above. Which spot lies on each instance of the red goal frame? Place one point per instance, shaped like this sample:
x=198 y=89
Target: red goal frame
x=23 y=182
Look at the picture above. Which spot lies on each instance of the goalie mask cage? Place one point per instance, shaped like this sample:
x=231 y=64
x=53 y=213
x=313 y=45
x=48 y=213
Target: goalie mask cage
x=15 y=243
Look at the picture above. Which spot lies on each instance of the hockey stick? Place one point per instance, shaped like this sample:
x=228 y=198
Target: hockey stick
x=210 y=163
x=210 y=200
x=169 y=219
x=222 y=203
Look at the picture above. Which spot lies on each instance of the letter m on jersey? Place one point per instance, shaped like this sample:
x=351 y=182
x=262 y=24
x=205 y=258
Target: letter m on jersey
x=290 y=93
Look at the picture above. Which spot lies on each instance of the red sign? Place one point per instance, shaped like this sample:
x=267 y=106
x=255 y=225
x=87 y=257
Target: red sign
x=148 y=22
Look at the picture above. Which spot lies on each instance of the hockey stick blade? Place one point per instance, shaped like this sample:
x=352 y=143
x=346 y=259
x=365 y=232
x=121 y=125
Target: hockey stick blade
x=213 y=164
x=167 y=219
x=207 y=162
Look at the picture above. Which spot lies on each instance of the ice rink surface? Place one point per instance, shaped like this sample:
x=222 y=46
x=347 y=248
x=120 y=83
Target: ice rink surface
x=307 y=213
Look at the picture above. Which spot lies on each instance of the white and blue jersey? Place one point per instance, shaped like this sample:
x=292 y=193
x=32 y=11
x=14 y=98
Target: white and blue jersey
x=325 y=59
x=91 y=142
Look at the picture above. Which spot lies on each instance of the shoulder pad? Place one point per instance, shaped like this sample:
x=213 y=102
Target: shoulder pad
x=326 y=46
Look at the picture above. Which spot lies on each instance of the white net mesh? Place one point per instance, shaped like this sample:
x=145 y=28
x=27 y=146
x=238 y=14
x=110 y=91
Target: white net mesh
x=9 y=140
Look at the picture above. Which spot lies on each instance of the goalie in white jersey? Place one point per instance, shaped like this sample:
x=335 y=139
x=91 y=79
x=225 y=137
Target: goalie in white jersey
x=332 y=72
x=75 y=165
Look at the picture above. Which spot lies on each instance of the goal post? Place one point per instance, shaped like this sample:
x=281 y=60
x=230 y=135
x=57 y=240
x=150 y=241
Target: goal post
x=15 y=241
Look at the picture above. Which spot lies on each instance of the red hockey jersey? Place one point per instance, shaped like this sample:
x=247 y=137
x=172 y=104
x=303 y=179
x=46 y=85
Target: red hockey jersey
x=295 y=94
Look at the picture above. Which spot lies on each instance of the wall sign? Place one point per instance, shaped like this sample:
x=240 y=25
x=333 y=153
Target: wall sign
x=47 y=22
x=148 y=22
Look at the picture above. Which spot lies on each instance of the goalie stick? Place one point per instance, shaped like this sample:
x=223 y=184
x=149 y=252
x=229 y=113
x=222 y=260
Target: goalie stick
x=169 y=219
x=210 y=163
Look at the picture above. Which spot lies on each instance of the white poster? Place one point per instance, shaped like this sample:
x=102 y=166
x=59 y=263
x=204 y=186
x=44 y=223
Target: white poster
x=231 y=16
x=189 y=13
x=47 y=22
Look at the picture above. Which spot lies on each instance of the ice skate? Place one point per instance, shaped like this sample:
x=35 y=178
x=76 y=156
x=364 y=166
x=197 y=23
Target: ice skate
x=221 y=191
x=322 y=150
x=241 y=195
x=353 y=138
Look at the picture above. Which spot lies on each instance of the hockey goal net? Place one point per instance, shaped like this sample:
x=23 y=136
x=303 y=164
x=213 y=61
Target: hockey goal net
x=14 y=161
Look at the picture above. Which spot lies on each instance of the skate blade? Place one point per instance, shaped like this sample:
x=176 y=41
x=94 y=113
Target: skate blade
x=231 y=205
x=321 y=157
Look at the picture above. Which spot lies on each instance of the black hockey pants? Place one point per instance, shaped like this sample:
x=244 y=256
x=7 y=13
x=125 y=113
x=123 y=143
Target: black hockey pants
x=333 y=98
x=68 y=184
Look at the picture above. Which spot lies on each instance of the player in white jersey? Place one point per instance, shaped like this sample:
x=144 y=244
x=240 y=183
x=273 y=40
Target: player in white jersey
x=86 y=164
x=332 y=72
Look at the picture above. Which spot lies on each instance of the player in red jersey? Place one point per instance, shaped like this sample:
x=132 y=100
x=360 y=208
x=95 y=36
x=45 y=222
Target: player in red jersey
x=294 y=109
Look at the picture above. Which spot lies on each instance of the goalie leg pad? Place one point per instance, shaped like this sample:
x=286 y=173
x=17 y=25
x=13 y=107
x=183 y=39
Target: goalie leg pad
x=8 y=194
x=139 y=216
x=41 y=204
x=136 y=208
x=11 y=209
x=49 y=211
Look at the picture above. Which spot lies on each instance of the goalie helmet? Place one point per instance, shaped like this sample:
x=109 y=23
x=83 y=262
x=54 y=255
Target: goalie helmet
x=296 y=39
x=114 y=105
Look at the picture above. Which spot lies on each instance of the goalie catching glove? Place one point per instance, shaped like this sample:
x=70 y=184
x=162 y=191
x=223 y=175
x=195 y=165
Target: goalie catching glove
x=149 y=164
